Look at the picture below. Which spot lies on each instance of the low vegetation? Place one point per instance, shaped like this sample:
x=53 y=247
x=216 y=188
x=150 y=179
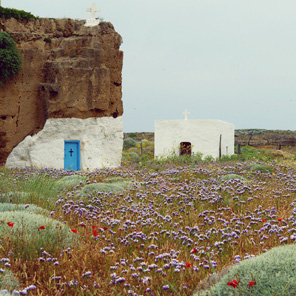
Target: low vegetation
x=10 y=59
x=21 y=15
x=181 y=226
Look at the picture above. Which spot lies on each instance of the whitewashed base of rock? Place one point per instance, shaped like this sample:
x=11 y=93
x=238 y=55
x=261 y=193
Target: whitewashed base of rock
x=203 y=134
x=101 y=142
x=91 y=22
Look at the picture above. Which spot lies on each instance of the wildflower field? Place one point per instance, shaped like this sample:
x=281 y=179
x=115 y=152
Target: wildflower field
x=176 y=227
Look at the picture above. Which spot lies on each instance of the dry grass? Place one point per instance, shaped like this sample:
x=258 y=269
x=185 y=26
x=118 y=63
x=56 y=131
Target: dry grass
x=168 y=213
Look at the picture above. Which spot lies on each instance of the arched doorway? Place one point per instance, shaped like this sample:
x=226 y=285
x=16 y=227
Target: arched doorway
x=185 y=148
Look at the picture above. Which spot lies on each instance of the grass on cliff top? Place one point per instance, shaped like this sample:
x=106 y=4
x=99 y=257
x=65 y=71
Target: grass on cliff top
x=20 y=15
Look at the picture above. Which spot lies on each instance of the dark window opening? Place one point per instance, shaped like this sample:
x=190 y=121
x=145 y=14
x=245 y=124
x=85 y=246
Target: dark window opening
x=185 y=148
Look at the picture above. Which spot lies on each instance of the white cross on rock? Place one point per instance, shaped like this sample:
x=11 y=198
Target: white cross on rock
x=186 y=113
x=92 y=21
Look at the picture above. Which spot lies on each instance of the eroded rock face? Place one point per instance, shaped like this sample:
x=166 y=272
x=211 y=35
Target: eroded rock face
x=68 y=70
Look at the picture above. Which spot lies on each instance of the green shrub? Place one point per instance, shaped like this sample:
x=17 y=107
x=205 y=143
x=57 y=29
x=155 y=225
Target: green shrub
x=22 y=207
x=227 y=158
x=196 y=157
x=70 y=181
x=209 y=158
x=133 y=149
x=129 y=143
x=273 y=271
x=114 y=179
x=26 y=237
x=259 y=167
x=7 y=13
x=251 y=153
x=131 y=156
x=8 y=281
x=10 y=59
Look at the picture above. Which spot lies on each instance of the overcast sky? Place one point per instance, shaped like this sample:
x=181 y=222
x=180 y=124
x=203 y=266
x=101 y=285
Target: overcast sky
x=233 y=60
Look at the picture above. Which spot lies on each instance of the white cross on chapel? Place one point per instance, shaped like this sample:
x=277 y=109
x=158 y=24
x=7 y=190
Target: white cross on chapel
x=186 y=113
x=93 y=10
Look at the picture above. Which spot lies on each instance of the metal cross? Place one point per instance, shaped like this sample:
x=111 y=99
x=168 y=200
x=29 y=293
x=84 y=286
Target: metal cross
x=93 y=10
x=71 y=151
x=186 y=113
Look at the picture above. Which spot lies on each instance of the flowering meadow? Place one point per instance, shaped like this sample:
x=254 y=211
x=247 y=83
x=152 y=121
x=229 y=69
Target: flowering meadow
x=154 y=228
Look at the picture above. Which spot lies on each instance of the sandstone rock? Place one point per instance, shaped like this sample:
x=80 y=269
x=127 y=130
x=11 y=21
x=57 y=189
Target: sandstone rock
x=68 y=70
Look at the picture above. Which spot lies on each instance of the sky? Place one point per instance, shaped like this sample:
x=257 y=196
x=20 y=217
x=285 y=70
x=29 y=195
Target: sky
x=233 y=60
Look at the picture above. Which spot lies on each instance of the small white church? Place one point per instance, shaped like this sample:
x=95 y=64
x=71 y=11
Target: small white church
x=186 y=137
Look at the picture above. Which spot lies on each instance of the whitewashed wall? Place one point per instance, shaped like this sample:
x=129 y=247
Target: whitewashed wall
x=101 y=142
x=204 y=136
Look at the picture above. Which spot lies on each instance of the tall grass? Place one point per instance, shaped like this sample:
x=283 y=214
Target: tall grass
x=38 y=189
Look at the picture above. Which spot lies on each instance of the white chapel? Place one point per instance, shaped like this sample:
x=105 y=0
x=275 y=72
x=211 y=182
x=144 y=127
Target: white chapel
x=210 y=137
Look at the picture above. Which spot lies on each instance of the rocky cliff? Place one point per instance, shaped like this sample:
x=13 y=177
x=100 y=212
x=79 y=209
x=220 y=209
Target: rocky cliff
x=68 y=70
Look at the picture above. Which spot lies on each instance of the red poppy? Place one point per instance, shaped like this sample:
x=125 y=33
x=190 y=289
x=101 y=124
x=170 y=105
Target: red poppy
x=251 y=283
x=194 y=250
x=95 y=233
x=42 y=227
x=105 y=228
x=280 y=219
x=233 y=283
x=188 y=265
x=94 y=226
x=74 y=230
x=262 y=220
x=10 y=224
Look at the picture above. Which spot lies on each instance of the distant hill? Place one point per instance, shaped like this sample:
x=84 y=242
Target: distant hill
x=251 y=137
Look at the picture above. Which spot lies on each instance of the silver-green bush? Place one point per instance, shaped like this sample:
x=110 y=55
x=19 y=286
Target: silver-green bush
x=27 y=238
x=8 y=282
x=128 y=143
x=70 y=181
x=260 y=167
x=233 y=177
x=273 y=271
x=114 y=179
x=30 y=208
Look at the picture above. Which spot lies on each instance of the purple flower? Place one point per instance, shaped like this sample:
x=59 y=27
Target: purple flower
x=88 y=273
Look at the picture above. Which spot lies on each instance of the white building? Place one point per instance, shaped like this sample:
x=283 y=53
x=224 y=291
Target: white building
x=179 y=137
x=72 y=143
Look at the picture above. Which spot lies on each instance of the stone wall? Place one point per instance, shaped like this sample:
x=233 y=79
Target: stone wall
x=68 y=70
x=262 y=137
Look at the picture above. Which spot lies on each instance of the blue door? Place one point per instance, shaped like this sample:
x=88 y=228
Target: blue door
x=72 y=155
